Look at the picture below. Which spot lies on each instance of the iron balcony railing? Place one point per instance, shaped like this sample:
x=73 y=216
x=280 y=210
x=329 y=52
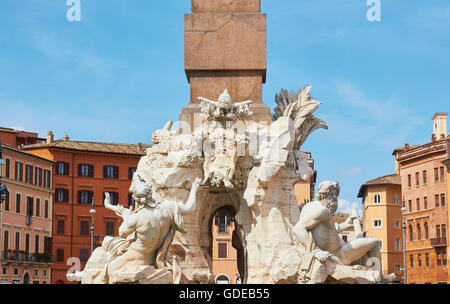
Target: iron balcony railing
x=23 y=257
x=438 y=242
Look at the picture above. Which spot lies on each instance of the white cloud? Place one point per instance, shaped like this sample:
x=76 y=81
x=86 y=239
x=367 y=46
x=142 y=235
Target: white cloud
x=346 y=206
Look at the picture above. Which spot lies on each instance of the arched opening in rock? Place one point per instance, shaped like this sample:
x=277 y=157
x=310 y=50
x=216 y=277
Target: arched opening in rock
x=227 y=250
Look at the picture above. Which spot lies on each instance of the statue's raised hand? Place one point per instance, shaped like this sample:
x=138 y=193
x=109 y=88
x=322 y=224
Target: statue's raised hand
x=107 y=199
x=196 y=184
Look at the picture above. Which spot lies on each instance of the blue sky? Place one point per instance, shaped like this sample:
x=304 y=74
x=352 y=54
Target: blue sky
x=118 y=75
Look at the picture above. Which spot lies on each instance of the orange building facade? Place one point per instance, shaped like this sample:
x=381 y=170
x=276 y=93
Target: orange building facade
x=26 y=216
x=382 y=219
x=84 y=171
x=425 y=189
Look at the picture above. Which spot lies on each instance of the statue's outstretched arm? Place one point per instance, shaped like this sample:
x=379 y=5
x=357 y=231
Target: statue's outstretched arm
x=118 y=209
x=238 y=104
x=214 y=103
x=189 y=207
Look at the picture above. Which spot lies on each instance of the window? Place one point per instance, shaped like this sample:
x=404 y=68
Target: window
x=377 y=199
x=222 y=222
x=411 y=261
x=442 y=199
x=436 y=175
x=38 y=207
x=396 y=200
x=409 y=180
x=4 y=270
x=441 y=169
x=418 y=203
x=62 y=195
x=36 y=244
x=438 y=259
x=411 y=233
x=6 y=201
x=27 y=242
x=85 y=197
x=424 y=175
x=426 y=231
x=425 y=202
x=398 y=245
x=110 y=228
x=44 y=272
x=131 y=172
x=30 y=205
x=110 y=172
x=222 y=250
x=419 y=256
x=410 y=205
x=419 y=232
x=84 y=255
x=29 y=174
x=444 y=231
x=17 y=241
x=38 y=177
x=438 y=231
x=7 y=167
x=427 y=259
x=436 y=200
x=60 y=227
x=36 y=272
x=84 y=228
x=417 y=178
x=19 y=171
x=16 y=271
x=62 y=168
x=46 y=209
x=47 y=178
x=85 y=170
x=18 y=203
x=444 y=258
x=114 y=196
x=60 y=255
x=131 y=201
x=345 y=238
x=397 y=224
x=6 y=240
x=377 y=223
x=398 y=268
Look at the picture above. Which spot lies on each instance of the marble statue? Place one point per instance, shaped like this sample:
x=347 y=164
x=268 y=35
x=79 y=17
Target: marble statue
x=224 y=108
x=139 y=253
x=319 y=234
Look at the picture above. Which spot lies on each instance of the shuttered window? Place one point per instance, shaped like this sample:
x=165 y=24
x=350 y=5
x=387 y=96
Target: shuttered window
x=114 y=196
x=38 y=177
x=60 y=227
x=18 y=203
x=29 y=174
x=19 y=171
x=46 y=209
x=110 y=228
x=85 y=170
x=85 y=197
x=131 y=172
x=62 y=168
x=222 y=250
x=7 y=167
x=62 y=195
x=110 y=172
x=84 y=228
x=60 y=255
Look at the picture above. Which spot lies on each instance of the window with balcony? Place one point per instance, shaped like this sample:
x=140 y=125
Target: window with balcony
x=438 y=231
x=110 y=172
x=85 y=170
x=62 y=168
x=444 y=231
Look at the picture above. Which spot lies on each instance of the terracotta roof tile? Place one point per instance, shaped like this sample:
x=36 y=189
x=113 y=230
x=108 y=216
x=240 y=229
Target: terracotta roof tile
x=129 y=149
x=392 y=179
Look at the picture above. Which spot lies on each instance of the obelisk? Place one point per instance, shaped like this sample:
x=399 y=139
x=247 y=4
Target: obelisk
x=225 y=48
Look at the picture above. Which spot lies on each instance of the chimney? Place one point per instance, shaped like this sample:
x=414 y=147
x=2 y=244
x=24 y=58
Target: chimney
x=440 y=125
x=50 y=137
x=66 y=137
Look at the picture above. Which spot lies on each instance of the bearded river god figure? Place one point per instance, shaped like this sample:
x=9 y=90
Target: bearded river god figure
x=326 y=254
x=139 y=253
